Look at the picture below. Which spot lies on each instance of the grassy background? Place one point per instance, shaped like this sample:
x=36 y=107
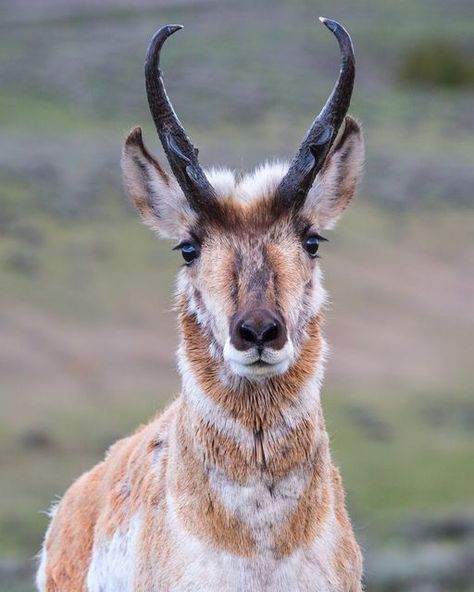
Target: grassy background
x=87 y=332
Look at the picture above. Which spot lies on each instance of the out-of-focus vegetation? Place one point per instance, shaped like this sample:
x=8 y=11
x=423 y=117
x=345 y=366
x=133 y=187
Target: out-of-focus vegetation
x=437 y=63
x=87 y=333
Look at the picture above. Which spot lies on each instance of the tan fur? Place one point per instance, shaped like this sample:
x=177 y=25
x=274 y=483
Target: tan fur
x=232 y=487
x=75 y=538
x=253 y=413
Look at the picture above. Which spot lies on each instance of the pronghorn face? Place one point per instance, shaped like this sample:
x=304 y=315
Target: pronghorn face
x=251 y=278
x=251 y=275
x=253 y=285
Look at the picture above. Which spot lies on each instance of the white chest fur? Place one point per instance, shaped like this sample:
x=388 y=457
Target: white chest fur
x=113 y=563
x=260 y=505
x=305 y=570
x=261 y=508
x=207 y=569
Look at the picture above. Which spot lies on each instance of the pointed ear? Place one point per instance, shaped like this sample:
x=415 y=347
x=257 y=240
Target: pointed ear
x=337 y=181
x=155 y=193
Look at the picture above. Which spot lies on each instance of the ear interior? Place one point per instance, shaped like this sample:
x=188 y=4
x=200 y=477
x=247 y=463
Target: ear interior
x=154 y=193
x=339 y=178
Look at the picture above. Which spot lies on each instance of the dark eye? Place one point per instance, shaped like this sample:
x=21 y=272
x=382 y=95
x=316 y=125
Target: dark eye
x=311 y=244
x=190 y=251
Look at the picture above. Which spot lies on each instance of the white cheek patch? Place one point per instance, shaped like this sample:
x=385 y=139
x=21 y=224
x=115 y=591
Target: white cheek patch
x=319 y=295
x=207 y=310
x=217 y=317
x=308 y=304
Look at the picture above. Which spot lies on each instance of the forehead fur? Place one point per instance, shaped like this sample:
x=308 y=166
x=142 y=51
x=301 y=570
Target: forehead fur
x=260 y=183
x=245 y=205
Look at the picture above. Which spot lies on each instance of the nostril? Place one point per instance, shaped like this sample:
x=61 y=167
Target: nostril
x=247 y=333
x=257 y=328
x=270 y=333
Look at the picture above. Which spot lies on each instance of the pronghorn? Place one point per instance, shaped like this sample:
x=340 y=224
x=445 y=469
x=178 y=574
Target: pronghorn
x=232 y=487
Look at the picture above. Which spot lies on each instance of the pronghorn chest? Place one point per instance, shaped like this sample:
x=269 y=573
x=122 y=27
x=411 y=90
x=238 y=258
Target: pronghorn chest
x=193 y=564
x=261 y=505
x=266 y=509
x=219 y=571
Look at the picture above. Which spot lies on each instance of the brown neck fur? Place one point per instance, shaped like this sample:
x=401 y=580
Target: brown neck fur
x=259 y=407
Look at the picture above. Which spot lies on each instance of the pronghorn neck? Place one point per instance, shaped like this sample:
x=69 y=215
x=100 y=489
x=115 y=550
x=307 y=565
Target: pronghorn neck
x=268 y=427
x=252 y=466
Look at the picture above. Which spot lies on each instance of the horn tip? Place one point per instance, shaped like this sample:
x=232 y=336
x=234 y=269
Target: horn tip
x=166 y=31
x=330 y=24
x=342 y=36
x=173 y=28
x=152 y=57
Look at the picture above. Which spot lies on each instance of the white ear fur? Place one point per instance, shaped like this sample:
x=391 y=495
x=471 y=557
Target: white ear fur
x=337 y=182
x=155 y=194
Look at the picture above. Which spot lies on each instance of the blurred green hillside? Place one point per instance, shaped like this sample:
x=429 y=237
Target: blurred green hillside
x=87 y=331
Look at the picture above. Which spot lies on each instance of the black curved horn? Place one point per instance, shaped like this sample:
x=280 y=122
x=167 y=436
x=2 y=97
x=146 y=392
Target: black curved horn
x=312 y=153
x=181 y=154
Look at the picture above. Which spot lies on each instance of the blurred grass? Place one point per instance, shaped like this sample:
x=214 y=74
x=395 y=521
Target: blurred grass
x=397 y=463
x=87 y=334
x=437 y=63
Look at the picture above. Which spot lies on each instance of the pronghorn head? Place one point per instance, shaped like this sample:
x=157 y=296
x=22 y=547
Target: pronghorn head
x=251 y=277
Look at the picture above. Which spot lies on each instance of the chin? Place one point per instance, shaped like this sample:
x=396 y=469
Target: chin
x=259 y=370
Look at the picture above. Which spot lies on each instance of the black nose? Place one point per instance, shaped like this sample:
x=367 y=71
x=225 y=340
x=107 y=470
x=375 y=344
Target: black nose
x=259 y=328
